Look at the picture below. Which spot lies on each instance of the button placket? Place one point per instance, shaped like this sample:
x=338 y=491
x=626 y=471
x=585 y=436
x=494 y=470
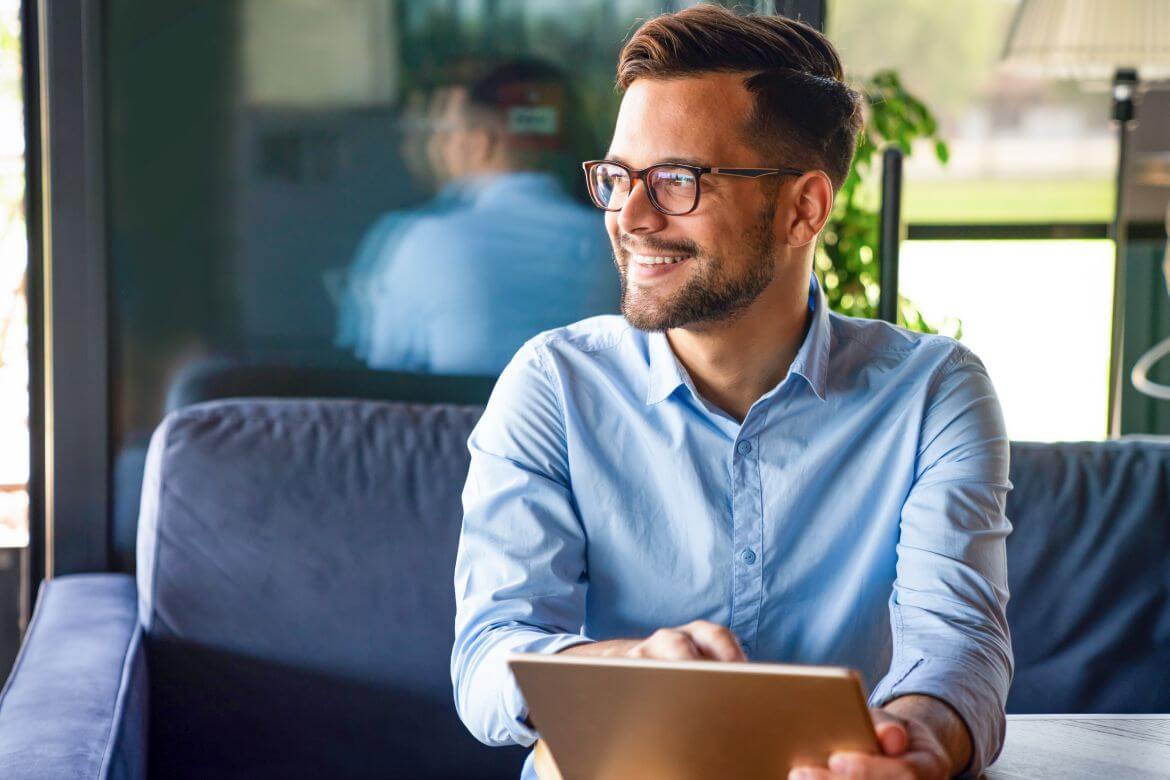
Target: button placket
x=746 y=503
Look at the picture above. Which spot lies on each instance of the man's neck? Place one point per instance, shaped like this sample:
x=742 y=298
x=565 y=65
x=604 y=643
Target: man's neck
x=733 y=363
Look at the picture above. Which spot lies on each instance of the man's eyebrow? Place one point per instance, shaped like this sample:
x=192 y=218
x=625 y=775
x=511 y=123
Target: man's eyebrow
x=674 y=160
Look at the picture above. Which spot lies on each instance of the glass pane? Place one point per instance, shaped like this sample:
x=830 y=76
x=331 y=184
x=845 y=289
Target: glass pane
x=319 y=192
x=1022 y=148
x=1037 y=312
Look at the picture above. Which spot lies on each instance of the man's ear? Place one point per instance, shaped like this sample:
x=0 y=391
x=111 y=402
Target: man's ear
x=481 y=145
x=811 y=202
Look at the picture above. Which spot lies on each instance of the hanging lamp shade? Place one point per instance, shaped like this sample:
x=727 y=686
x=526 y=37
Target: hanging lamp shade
x=1090 y=39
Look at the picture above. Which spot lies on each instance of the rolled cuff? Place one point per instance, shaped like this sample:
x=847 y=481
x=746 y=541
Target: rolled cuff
x=504 y=724
x=972 y=690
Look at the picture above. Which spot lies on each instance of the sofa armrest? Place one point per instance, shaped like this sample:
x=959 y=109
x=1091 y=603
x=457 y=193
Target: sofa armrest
x=75 y=705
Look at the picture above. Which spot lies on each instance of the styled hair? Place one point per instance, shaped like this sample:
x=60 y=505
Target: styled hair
x=804 y=116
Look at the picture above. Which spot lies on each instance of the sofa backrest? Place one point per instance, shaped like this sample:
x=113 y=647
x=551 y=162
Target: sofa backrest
x=1089 y=573
x=213 y=379
x=295 y=576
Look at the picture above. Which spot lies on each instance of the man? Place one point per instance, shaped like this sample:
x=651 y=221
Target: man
x=731 y=471
x=460 y=286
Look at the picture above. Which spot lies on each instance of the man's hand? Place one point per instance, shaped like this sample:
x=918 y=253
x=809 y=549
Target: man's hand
x=921 y=738
x=698 y=640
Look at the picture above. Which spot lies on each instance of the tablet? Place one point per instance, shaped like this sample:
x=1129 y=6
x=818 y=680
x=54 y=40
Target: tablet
x=624 y=718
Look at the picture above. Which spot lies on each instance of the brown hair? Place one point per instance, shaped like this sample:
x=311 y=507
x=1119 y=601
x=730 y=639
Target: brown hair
x=804 y=116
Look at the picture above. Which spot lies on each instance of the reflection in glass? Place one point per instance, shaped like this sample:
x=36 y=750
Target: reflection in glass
x=310 y=189
x=499 y=254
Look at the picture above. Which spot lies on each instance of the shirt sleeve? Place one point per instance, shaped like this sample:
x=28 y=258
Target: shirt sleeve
x=352 y=316
x=950 y=632
x=402 y=293
x=520 y=570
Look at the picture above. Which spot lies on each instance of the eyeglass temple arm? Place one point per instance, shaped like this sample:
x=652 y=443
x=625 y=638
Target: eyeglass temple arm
x=755 y=173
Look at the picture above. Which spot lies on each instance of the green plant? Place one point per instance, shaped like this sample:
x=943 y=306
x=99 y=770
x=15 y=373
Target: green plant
x=847 y=259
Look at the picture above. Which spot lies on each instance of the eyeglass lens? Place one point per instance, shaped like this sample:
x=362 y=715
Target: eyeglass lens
x=672 y=189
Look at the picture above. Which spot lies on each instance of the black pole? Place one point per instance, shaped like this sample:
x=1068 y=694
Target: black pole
x=891 y=233
x=1125 y=82
x=30 y=25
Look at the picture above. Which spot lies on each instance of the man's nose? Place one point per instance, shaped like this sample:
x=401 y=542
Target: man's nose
x=638 y=214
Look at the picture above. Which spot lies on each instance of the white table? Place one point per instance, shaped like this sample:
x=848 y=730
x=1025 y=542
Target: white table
x=1071 y=747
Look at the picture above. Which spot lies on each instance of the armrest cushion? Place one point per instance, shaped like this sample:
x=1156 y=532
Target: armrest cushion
x=75 y=704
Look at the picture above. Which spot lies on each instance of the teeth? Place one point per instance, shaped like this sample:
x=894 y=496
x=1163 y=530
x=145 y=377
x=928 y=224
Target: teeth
x=652 y=260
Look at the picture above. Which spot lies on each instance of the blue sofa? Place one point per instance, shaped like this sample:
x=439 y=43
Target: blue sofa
x=292 y=615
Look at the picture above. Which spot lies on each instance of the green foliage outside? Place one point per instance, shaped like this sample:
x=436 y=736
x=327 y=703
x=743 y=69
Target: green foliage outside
x=847 y=260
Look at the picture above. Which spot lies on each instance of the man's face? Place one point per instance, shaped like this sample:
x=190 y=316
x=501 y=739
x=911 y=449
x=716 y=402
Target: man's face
x=462 y=141
x=722 y=253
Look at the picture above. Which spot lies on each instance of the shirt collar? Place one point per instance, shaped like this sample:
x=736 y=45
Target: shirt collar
x=811 y=362
x=666 y=373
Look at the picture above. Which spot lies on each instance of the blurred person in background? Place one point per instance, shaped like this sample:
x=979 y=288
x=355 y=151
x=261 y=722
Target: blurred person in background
x=501 y=253
x=422 y=152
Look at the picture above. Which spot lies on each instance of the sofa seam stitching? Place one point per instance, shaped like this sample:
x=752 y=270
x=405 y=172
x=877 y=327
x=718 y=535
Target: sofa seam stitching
x=123 y=687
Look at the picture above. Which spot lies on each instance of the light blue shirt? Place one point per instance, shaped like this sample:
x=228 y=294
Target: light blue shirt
x=855 y=517
x=461 y=288
x=375 y=251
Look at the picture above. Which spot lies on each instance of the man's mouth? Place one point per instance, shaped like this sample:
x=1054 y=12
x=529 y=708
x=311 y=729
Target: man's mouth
x=658 y=259
x=653 y=266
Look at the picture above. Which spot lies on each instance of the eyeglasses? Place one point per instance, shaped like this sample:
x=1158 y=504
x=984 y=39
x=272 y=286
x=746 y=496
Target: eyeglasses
x=673 y=188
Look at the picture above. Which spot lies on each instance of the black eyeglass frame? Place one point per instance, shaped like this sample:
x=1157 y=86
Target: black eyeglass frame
x=698 y=171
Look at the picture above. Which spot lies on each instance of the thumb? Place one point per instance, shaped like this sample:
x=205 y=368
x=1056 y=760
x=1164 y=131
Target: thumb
x=891 y=732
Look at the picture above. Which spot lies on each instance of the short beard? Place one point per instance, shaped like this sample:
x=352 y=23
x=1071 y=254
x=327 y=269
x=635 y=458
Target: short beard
x=709 y=296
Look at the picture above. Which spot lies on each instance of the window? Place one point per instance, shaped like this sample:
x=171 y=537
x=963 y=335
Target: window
x=1022 y=151
x=14 y=366
x=342 y=188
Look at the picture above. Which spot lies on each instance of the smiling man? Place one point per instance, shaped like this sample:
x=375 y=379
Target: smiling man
x=731 y=471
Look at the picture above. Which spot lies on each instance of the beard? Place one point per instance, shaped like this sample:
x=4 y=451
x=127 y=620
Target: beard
x=711 y=294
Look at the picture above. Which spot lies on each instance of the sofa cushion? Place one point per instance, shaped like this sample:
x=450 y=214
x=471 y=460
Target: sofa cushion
x=295 y=577
x=1089 y=572
x=218 y=378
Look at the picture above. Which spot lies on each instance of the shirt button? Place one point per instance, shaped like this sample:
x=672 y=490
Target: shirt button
x=744 y=447
x=748 y=556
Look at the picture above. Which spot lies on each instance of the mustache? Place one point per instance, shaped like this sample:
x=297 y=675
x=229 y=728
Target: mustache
x=649 y=245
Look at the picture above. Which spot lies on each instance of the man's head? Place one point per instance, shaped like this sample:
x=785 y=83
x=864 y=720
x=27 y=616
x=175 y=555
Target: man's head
x=507 y=117
x=713 y=89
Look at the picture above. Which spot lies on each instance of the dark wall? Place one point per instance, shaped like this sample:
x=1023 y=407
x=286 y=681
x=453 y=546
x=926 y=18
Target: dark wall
x=170 y=77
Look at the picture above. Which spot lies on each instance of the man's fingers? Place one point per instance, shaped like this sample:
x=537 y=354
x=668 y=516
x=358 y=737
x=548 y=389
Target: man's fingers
x=668 y=644
x=848 y=764
x=809 y=773
x=892 y=733
x=715 y=641
x=893 y=738
x=696 y=640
